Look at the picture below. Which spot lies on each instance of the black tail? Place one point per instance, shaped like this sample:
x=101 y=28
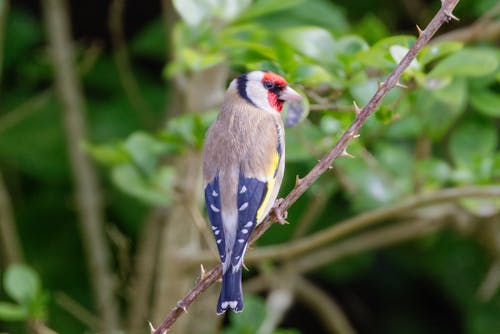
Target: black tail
x=231 y=294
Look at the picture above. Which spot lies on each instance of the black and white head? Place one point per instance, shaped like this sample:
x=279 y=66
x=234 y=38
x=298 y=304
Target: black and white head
x=265 y=90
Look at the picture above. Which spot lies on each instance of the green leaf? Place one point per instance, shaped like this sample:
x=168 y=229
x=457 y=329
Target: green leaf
x=108 y=154
x=438 y=109
x=194 y=60
x=362 y=91
x=314 y=42
x=193 y=12
x=398 y=52
x=378 y=56
x=473 y=140
x=153 y=190
x=486 y=102
x=12 y=312
x=144 y=150
x=310 y=74
x=266 y=7
x=22 y=284
x=189 y=129
x=467 y=62
x=302 y=138
x=435 y=51
x=433 y=172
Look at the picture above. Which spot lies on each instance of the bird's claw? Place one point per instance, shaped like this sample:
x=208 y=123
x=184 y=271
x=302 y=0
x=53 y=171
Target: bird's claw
x=280 y=216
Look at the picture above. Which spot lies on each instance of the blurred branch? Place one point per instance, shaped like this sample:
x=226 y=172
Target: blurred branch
x=490 y=284
x=378 y=238
x=77 y=311
x=10 y=246
x=294 y=248
x=322 y=305
x=139 y=292
x=367 y=241
x=279 y=300
x=444 y=15
x=88 y=194
x=39 y=327
x=26 y=109
x=122 y=60
x=363 y=220
x=486 y=28
x=316 y=205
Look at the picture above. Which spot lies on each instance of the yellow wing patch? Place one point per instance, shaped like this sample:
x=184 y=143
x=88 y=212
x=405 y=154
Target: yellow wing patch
x=271 y=183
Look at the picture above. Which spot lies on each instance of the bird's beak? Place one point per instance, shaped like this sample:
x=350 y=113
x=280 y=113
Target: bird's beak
x=288 y=94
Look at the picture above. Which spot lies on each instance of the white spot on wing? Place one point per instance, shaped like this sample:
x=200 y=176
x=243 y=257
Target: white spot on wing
x=214 y=208
x=214 y=194
x=249 y=224
x=243 y=206
x=217 y=232
x=241 y=241
x=214 y=228
x=219 y=241
x=244 y=231
x=243 y=190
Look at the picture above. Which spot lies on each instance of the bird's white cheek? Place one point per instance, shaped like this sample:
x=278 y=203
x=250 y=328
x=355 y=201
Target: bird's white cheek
x=258 y=95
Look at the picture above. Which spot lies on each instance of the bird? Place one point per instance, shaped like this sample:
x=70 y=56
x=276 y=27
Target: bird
x=243 y=166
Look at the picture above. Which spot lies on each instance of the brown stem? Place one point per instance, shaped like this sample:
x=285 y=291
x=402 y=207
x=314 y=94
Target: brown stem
x=145 y=261
x=442 y=16
x=10 y=246
x=292 y=249
x=88 y=194
x=122 y=60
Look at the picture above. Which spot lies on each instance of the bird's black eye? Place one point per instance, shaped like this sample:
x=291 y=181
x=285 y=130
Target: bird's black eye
x=269 y=85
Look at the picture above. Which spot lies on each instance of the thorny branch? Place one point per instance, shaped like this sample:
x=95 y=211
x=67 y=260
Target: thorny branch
x=87 y=190
x=443 y=15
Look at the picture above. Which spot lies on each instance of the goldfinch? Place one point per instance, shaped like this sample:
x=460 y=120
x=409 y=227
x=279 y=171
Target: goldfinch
x=243 y=165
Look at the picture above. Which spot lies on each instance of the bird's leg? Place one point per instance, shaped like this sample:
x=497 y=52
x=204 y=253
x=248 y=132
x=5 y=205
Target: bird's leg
x=280 y=216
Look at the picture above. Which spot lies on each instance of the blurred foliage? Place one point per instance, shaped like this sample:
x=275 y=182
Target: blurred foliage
x=442 y=131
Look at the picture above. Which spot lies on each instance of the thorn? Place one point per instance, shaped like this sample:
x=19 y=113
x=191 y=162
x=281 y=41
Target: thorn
x=298 y=180
x=181 y=306
x=420 y=31
x=399 y=84
x=357 y=109
x=203 y=272
x=450 y=16
x=353 y=135
x=330 y=167
x=380 y=84
x=151 y=328
x=244 y=266
x=346 y=154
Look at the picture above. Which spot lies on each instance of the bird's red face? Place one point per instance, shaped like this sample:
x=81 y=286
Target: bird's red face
x=274 y=84
x=265 y=90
